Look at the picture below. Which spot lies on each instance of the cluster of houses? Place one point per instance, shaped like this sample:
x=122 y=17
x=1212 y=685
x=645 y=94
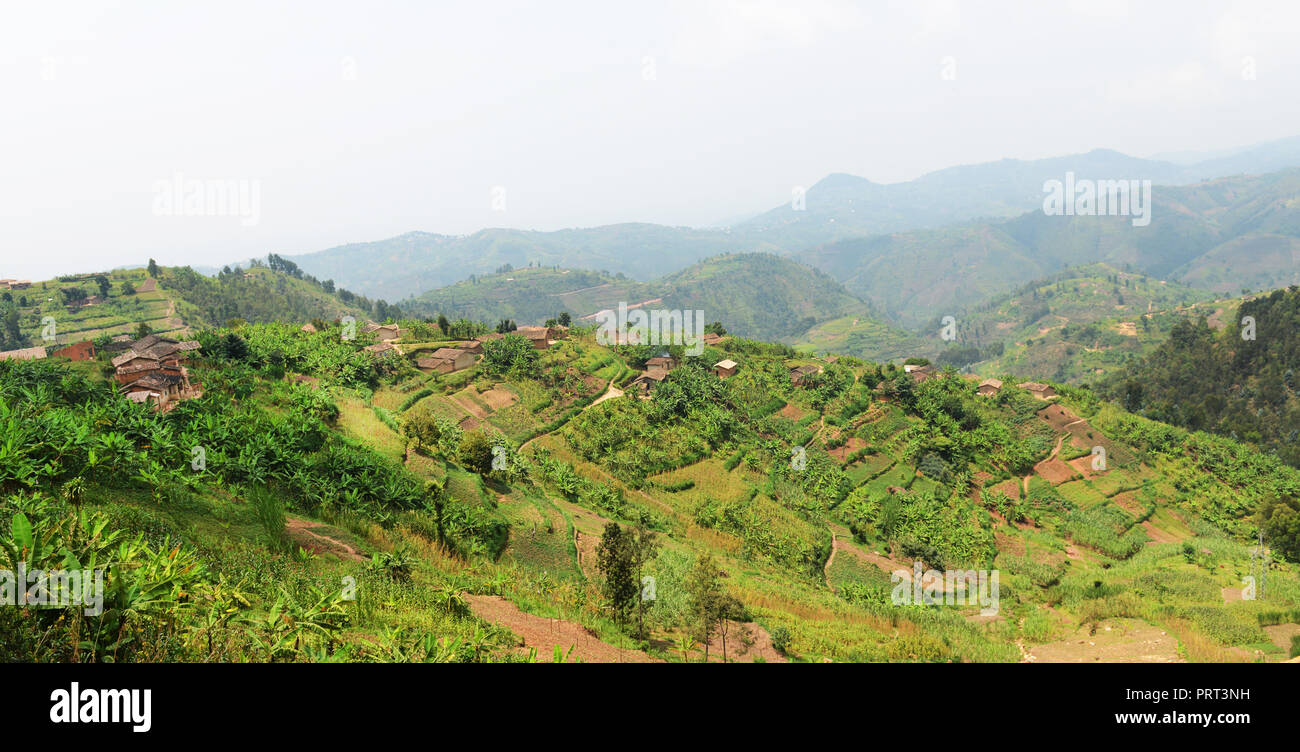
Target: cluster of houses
x=991 y=387
x=658 y=368
x=451 y=359
x=152 y=371
x=15 y=284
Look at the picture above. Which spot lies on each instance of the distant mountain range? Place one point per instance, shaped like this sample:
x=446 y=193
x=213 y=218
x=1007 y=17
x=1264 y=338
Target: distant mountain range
x=837 y=208
x=1224 y=235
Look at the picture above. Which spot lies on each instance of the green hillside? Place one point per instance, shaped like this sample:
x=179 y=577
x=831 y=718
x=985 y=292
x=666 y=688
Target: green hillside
x=752 y=294
x=1239 y=381
x=757 y=295
x=180 y=302
x=529 y=295
x=1224 y=235
x=1076 y=324
x=352 y=508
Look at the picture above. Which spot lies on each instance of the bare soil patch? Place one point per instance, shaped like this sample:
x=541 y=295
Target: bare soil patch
x=1083 y=466
x=303 y=533
x=1128 y=502
x=1054 y=471
x=1009 y=487
x=498 y=398
x=850 y=446
x=545 y=634
x=1057 y=417
x=1280 y=634
x=760 y=646
x=1008 y=544
x=792 y=412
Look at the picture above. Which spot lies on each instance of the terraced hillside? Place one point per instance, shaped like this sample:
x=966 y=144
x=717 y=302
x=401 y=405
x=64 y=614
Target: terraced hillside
x=352 y=507
x=1079 y=324
x=1072 y=326
x=173 y=301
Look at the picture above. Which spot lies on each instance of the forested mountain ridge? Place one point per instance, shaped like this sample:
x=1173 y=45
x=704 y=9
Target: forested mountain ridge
x=1240 y=381
x=755 y=295
x=1222 y=235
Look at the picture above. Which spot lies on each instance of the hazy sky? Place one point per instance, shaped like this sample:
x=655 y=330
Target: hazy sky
x=362 y=120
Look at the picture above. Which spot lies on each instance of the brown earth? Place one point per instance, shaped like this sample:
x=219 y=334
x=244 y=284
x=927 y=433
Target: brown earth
x=1008 y=544
x=545 y=634
x=1280 y=634
x=1010 y=488
x=497 y=398
x=302 y=532
x=1083 y=466
x=1057 y=417
x=737 y=652
x=1128 y=502
x=1054 y=471
x=850 y=446
x=792 y=412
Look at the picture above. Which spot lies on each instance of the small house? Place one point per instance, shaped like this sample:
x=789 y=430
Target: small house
x=800 y=374
x=539 y=336
x=725 y=368
x=660 y=364
x=26 y=353
x=446 y=360
x=644 y=384
x=383 y=332
x=1041 y=391
x=989 y=387
x=80 y=351
x=476 y=346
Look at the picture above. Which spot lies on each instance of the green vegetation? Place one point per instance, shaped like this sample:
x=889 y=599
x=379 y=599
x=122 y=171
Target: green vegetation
x=349 y=507
x=1239 y=382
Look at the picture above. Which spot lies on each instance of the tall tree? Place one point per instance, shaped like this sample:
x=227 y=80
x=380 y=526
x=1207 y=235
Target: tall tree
x=731 y=611
x=616 y=560
x=644 y=546
x=704 y=586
